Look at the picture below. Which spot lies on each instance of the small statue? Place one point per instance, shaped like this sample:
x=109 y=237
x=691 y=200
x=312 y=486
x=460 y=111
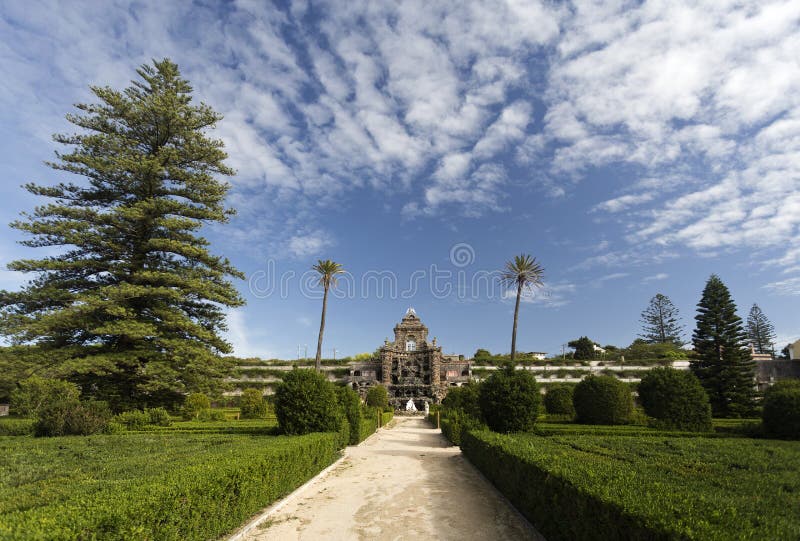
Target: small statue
x=410 y=405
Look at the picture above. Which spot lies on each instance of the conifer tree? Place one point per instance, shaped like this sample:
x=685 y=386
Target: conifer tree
x=661 y=322
x=760 y=331
x=130 y=302
x=723 y=364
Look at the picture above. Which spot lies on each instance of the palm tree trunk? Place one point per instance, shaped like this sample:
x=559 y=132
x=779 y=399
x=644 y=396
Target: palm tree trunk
x=318 y=361
x=516 y=317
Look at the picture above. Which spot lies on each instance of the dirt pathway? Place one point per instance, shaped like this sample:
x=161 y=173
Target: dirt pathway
x=403 y=483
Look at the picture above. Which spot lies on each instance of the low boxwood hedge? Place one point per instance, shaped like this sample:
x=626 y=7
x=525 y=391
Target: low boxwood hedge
x=634 y=488
x=149 y=486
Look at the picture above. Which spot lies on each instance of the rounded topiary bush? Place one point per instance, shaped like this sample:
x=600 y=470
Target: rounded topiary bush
x=196 y=406
x=252 y=404
x=781 y=413
x=377 y=397
x=509 y=400
x=558 y=400
x=602 y=400
x=306 y=402
x=675 y=399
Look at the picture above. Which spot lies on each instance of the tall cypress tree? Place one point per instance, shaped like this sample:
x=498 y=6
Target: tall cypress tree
x=132 y=306
x=760 y=331
x=661 y=322
x=723 y=363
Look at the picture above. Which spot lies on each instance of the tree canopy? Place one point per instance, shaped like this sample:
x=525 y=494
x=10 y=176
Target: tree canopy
x=661 y=322
x=129 y=303
x=760 y=331
x=723 y=364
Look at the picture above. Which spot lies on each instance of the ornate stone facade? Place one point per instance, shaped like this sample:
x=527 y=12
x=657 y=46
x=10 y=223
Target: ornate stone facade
x=411 y=367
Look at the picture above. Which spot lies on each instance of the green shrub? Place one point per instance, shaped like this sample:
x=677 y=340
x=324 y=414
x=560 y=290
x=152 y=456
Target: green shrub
x=558 y=400
x=34 y=393
x=252 y=404
x=781 y=413
x=196 y=404
x=158 y=417
x=386 y=416
x=464 y=398
x=509 y=400
x=72 y=417
x=306 y=402
x=377 y=397
x=675 y=399
x=133 y=420
x=350 y=403
x=602 y=400
x=139 y=419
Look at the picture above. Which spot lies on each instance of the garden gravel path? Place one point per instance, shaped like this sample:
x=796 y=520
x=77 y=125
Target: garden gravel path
x=405 y=482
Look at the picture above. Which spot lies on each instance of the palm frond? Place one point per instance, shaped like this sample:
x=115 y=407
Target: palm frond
x=328 y=271
x=524 y=270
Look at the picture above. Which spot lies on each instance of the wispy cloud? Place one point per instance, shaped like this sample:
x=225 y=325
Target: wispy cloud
x=790 y=286
x=429 y=101
x=655 y=277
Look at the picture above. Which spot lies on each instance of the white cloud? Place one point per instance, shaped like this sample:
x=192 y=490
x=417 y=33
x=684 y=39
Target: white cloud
x=309 y=244
x=550 y=295
x=613 y=276
x=623 y=202
x=655 y=277
x=701 y=97
x=790 y=286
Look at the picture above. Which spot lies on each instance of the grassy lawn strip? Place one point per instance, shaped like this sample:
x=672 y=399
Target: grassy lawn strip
x=629 y=487
x=149 y=485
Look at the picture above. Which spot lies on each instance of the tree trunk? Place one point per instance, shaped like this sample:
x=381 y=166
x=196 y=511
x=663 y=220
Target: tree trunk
x=318 y=362
x=516 y=316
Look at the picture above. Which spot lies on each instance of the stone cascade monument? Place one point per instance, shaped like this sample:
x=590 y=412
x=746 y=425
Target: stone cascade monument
x=413 y=369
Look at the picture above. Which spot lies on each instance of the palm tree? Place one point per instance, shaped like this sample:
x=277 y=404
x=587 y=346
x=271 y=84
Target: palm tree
x=327 y=271
x=523 y=271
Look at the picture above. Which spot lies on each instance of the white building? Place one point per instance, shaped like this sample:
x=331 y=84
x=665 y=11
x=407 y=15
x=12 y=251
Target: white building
x=794 y=350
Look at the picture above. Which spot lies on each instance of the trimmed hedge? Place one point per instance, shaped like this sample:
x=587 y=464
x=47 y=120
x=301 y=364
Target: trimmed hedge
x=456 y=423
x=13 y=426
x=648 y=489
x=350 y=403
x=781 y=414
x=149 y=486
x=675 y=399
x=602 y=400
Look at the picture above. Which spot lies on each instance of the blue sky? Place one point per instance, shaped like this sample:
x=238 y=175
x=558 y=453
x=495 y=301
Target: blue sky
x=632 y=147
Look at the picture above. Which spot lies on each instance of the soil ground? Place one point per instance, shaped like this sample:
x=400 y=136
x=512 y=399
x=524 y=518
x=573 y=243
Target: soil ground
x=406 y=482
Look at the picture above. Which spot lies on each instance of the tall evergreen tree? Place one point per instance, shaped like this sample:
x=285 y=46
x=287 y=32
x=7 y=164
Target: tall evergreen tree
x=723 y=363
x=132 y=304
x=760 y=331
x=661 y=322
